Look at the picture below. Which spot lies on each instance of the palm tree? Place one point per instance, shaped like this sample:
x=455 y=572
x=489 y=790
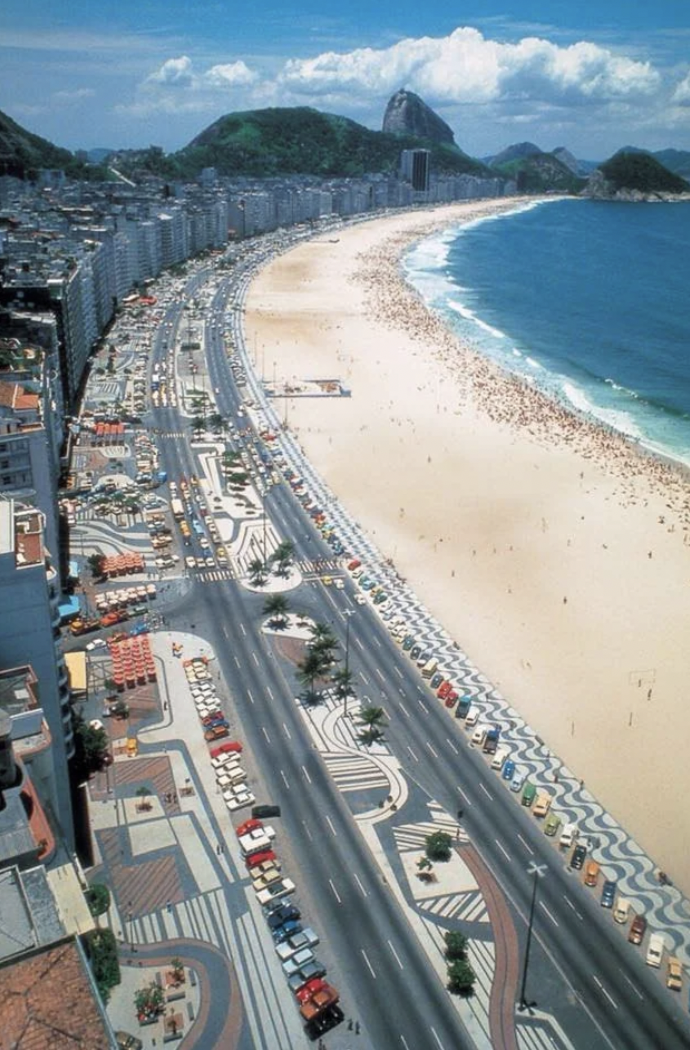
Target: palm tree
x=323 y=641
x=342 y=680
x=372 y=719
x=257 y=573
x=276 y=607
x=283 y=556
x=198 y=424
x=309 y=670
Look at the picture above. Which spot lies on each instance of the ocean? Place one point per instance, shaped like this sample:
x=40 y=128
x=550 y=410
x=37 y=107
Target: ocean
x=588 y=300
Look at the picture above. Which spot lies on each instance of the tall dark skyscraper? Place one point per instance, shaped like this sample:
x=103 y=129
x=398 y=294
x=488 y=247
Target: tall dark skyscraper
x=414 y=168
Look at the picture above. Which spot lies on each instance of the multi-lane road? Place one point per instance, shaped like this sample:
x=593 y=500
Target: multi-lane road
x=582 y=971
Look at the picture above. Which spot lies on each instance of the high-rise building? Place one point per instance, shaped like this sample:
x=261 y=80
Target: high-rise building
x=415 y=165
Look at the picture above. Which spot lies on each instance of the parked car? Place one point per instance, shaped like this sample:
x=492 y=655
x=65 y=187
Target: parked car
x=578 y=857
x=655 y=950
x=592 y=873
x=517 y=781
x=307 y=973
x=125 y=1041
x=263 y=856
x=266 y=811
x=674 y=974
x=277 y=890
x=621 y=913
x=298 y=960
x=608 y=893
x=508 y=770
x=248 y=825
x=552 y=824
x=288 y=929
x=282 y=914
x=298 y=942
x=637 y=929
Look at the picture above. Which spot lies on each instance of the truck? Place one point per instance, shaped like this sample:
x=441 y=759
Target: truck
x=429 y=668
x=491 y=740
x=177 y=508
x=326 y=995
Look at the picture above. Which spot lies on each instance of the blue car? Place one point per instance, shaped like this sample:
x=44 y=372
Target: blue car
x=287 y=930
x=282 y=914
x=508 y=770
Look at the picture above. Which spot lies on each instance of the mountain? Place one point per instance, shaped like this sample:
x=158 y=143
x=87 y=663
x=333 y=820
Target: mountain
x=676 y=160
x=98 y=155
x=301 y=140
x=634 y=175
x=22 y=153
x=512 y=153
x=537 y=172
x=407 y=114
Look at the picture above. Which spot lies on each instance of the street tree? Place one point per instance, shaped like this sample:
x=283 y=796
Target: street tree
x=343 y=679
x=438 y=845
x=371 y=720
x=456 y=944
x=461 y=977
x=276 y=607
x=257 y=572
x=309 y=671
x=283 y=557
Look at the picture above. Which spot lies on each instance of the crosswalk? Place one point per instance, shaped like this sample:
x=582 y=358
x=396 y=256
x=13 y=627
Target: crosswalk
x=318 y=566
x=213 y=575
x=355 y=772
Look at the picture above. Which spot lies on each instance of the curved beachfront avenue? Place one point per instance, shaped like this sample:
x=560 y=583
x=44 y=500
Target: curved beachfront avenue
x=584 y=981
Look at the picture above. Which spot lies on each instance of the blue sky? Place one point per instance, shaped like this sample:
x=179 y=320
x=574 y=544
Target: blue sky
x=592 y=76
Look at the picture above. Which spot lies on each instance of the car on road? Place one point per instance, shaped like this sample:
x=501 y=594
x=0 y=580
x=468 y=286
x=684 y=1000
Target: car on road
x=621 y=913
x=276 y=907
x=190 y=561
x=542 y=805
x=305 y=938
x=578 y=858
x=307 y=973
x=265 y=879
x=517 y=781
x=265 y=811
x=674 y=974
x=263 y=866
x=258 y=838
x=298 y=960
x=655 y=950
x=608 y=893
x=125 y=1041
x=436 y=680
x=310 y=989
x=232 y=758
x=264 y=856
x=239 y=800
x=97 y=643
x=408 y=643
x=216 y=733
x=552 y=824
x=360 y=599
x=637 y=929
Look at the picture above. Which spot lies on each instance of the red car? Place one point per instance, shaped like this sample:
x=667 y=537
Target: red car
x=354 y=564
x=444 y=689
x=226 y=748
x=211 y=717
x=309 y=989
x=249 y=825
x=259 y=858
x=451 y=698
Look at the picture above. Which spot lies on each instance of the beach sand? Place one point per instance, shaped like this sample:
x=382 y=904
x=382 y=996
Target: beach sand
x=554 y=553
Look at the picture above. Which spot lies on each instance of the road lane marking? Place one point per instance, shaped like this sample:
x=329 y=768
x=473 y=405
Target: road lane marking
x=544 y=908
x=466 y=799
x=503 y=850
x=379 y=674
x=306 y=774
x=287 y=731
x=358 y=881
x=265 y=733
x=306 y=828
x=359 y=644
x=396 y=956
x=412 y=753
x=268 y=690
x=243 y=630
x=364 y=677
x=490 y=797
x=431 y=748
x=404 y=1042
x=448 y=741
x=255 y=658
x=335 y=892
x=433 y=1032
x=377 y=642
x=371 y=968
x=528 y=848
x=572 y=906
x=330 y=824
x=635 y=990
x=614 y=1004
x=398 y=672
x=250 y=696
x=421 y=704
x=237 y=663
x=285 y=780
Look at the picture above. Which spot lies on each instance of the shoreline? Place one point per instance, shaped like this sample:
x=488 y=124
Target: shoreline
x=550 y=547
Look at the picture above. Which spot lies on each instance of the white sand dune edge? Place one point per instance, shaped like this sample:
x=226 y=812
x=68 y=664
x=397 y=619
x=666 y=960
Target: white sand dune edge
x=554 y=553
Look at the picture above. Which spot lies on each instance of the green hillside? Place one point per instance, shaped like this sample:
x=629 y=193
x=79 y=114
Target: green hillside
x=302 y=141
x=22 y=153
x=539 y=173
x=642 y=172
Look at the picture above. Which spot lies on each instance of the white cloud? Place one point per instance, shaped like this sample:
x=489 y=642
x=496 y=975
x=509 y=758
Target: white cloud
x=73 y=96
x=175 y=72
x=465 y=67
x=232 y=74
x=681 y=96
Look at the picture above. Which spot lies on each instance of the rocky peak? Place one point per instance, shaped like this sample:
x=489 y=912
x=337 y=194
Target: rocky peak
x=407 y=114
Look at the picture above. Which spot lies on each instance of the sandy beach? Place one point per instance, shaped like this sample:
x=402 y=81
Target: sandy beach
x=554 y=553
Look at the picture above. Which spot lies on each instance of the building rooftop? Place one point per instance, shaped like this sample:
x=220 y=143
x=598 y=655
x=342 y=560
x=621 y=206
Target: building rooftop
x=48 y=1001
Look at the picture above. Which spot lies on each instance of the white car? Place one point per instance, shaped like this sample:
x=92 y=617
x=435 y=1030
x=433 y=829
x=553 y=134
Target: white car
x=360 y=599
x=97 y=643
x=239 y=801
x=248 y=840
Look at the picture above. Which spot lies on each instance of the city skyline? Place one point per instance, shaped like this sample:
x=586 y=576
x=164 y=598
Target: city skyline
x=591 y=77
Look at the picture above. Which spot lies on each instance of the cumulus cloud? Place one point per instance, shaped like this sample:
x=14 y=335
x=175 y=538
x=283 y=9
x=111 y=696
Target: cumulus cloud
x=681 y=95
x=465 y=67
x=175 y=72
x=179 y=72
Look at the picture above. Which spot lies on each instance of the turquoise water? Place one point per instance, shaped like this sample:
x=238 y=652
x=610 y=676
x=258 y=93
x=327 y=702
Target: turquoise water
x=589 y=300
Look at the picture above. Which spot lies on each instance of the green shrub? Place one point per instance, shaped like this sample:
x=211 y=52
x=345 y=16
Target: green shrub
x=461 y=977
x=98 y=899
x=102 y=949
x=456 y=945
x=438 y=846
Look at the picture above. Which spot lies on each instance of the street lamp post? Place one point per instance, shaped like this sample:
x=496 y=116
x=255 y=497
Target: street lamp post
x=538 y=871
x=263 y=518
